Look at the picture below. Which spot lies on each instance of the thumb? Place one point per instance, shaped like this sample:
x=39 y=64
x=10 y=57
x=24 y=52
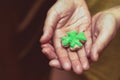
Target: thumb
x=101 y=42
x=49 y=26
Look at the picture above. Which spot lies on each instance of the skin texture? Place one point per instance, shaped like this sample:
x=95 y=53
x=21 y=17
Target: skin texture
x=62 y=18
x=104 y=27
x=105 y=24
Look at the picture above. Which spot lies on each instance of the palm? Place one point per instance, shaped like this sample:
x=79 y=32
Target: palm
x=70 y=17
x=104 y=29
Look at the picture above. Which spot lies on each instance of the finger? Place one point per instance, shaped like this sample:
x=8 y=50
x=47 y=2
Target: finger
x=94 y=20
x=88 y=43
x=83 y=58
x=86 y=27
x=94 y=35
x=104 y=37
x=55 y=63
x=48 y=50
x=49 y=26
x=47 y=45
x=76 y=65
x=62 y=54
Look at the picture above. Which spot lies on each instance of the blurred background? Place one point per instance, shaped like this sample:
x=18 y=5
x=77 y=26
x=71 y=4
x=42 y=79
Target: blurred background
x=21 y=23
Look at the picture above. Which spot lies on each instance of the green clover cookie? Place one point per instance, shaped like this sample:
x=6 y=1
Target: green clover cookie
x=73 y=40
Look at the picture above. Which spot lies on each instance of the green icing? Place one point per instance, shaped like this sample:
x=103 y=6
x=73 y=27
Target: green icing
x=74 y=43
x=81 y=36
x=65 y=40
x=73 y=38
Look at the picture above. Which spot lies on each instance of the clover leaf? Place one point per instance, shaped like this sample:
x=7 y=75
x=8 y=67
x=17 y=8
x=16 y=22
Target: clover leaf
x=73 y=39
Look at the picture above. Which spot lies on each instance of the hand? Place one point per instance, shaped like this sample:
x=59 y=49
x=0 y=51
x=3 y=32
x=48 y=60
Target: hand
x=104 y=28
x=65 y=16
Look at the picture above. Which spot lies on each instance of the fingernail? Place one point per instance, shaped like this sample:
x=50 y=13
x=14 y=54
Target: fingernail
x=78 y=70
x=43 y=50
x=67 y=66
x=86 y=66
x=95 y=57
x=54 y=63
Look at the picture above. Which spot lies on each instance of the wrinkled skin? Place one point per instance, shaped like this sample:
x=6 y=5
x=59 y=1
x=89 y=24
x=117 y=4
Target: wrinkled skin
x=104 y=27
x=65 y=16
x=105 y=24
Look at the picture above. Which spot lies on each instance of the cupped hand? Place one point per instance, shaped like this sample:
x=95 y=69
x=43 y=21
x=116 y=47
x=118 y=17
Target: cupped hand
x=104 y=28
x=65 y=16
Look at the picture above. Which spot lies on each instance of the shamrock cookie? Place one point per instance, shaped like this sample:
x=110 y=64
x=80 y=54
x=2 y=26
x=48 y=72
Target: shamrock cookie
x=73 y=40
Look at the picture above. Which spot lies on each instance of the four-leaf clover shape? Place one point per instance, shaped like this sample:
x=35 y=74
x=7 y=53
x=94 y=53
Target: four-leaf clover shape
x=73 y=40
